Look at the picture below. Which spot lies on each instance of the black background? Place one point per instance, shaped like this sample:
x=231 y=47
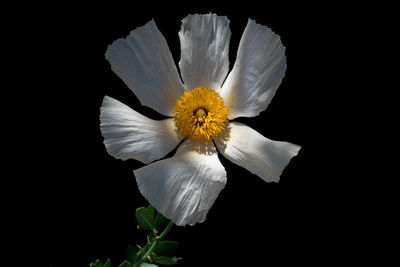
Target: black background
x=84 y=200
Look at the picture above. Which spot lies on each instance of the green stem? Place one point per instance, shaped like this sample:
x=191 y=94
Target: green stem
x=148 y=252
x=154 y=243
x=166 y=230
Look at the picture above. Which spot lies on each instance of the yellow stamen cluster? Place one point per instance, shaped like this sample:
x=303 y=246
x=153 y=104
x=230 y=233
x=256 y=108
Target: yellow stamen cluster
x=200 y=114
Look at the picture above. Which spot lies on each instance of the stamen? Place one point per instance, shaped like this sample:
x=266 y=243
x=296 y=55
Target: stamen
x=200 y=114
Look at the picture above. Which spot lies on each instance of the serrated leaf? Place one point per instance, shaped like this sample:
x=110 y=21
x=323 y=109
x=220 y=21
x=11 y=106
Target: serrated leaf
x=131 y=254
x=97 y=263
x=159 y=221
x=145 y=218
x=125 y=264
x=145 y=264
x=166 y=248
x=165 y=260
x=107 y=264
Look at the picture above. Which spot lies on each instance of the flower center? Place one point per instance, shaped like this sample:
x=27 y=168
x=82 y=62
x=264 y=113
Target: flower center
x=200 y=114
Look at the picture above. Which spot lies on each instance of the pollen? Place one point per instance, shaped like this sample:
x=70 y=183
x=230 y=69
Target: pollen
x=200 y=114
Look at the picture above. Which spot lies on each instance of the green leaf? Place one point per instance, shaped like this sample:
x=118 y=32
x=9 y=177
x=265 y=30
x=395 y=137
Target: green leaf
x=107 y=264
x=166 y=248
x=150 y=210
x=145 y=264
x=97 y=263
x=131 y=254
x=165 y=260
x=125 y=264
x=145 y=218
x=159 y=222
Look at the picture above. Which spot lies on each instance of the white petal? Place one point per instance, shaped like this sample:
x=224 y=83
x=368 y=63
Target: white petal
x=204 y=50
x=258 y=71
x=144 y=62
x=183 y=188
x=130 y=135
x=249 y=149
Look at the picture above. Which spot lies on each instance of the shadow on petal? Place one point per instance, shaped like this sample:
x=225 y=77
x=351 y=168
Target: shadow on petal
x=223 y=139
x=204 y=148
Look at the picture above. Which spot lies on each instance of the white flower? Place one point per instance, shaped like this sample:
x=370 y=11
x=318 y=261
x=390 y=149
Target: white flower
x=184 y=187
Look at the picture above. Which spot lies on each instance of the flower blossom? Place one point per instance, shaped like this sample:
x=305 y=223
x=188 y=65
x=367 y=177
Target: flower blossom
x=200 y=109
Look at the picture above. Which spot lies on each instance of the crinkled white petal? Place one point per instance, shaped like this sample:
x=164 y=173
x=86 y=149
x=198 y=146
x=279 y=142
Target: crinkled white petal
x=258 y=71
x=183 y=188
x=249 y=149
x=130 y=135
x=144 y=62
x=204 y=50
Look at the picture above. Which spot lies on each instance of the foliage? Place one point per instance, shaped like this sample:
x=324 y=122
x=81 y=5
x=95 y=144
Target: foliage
x=156 y=250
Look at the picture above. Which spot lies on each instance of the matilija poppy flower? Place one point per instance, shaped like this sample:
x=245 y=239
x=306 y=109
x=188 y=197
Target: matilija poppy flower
x=184 y=187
